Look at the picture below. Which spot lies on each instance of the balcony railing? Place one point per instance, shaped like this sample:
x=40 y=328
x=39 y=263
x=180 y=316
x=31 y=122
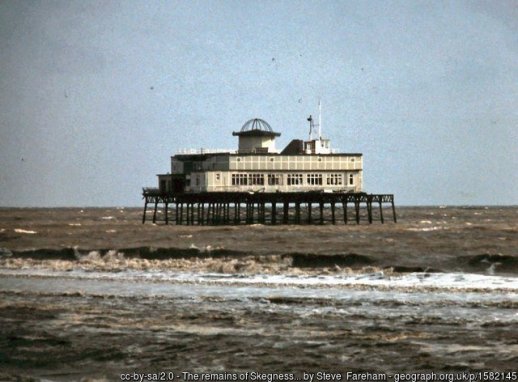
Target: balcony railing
x=204 y=151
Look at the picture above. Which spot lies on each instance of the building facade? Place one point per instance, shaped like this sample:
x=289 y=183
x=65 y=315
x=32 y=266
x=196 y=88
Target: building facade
x=257 y=166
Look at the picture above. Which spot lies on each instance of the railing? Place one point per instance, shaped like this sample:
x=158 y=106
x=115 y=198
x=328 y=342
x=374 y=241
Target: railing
x=204 y=151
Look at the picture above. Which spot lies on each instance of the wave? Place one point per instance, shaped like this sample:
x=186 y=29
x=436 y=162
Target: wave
x=222 y=260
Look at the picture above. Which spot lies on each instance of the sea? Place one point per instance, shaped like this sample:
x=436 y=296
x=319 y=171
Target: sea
x=92 y=294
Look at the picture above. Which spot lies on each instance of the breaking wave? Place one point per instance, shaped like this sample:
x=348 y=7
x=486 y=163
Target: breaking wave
x=225 y=261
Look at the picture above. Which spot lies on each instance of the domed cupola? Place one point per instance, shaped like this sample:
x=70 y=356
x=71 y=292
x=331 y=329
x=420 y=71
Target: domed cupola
x=256 y=136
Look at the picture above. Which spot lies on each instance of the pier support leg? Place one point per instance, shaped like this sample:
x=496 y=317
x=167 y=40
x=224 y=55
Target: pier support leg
x=210 y=213
x=369 y=211
x=394 y=211
x=274 y=213
x=344 y=205
x=357 y=209
x=154 y=212
x=309 y=213
x=218 y=213
x=297 y=213
x=228 y=213
x=285 y=214
x=166 y=213
x=144 y=215
x=249 y=213
x=321 y=212
x=381 y=213
x=333 y=219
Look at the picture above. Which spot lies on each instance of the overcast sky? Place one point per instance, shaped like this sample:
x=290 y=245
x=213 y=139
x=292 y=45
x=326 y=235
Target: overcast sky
x=95 y=96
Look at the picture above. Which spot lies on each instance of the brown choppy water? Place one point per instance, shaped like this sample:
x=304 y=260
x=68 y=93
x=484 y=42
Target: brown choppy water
x=92 y=293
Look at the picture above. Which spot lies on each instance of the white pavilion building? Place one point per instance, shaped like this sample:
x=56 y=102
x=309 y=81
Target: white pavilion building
x=257 y=166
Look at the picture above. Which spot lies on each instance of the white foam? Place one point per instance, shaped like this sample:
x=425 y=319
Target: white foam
x=426 y=229
x=437 y=282
x=20 y=230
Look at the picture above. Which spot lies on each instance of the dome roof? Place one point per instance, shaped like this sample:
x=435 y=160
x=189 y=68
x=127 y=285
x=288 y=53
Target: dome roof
x=256 y=127
x=256 y=124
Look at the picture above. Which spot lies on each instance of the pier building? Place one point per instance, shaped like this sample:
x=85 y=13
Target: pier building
x=257 y=166
x=256 y=174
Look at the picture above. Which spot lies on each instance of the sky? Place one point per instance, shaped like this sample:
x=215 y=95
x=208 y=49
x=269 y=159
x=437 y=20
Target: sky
x=95 y=96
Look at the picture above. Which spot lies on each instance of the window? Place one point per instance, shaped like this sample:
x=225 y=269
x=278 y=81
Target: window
x=248 y=179
x=274 y=179
x=239 y=179
x=256 y=179
x=351 y=179
x=334 y=179
x=218 y=177
x=294 y=179
x=314 y=179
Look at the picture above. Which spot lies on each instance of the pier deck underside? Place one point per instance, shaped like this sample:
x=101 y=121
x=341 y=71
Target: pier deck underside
x=213 y=208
